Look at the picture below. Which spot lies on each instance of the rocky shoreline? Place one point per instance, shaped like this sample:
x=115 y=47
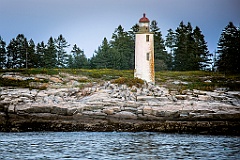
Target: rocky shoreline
x=64 y=106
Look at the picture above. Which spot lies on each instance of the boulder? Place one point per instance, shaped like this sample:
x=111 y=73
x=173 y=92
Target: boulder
x=147 y=110
x=55 y=80
x=108 y=111
x=125 y=115
x=204 y=98
x=181 y=97
x=145 y=98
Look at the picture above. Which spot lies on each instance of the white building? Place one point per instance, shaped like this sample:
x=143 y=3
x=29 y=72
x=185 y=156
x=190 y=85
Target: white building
x=144 y=52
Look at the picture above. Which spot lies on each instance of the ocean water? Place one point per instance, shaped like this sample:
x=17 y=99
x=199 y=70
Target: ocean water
x=117 y=145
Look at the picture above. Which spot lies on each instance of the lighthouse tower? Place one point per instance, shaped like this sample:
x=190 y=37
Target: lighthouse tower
x=144 y=52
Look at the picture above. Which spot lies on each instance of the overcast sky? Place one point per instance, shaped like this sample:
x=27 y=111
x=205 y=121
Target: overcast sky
x=87 y=22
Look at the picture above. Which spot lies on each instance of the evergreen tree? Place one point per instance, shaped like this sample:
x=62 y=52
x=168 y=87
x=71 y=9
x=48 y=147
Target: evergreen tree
x=50 y=54
x=162 y=58
x=181 y=52
x=170 y=41
x=191 y=51
x=133 y=31
x=22 y=46
x=79 y=59
x=70 y=62
x=17 y=52
x=92 y=63
x=115 y=58
x=11 y=54
x=40 y=52
x=61 y=45
x=201 y=52
x=102 y=58
x=2 y=53
x=32 y=57
x=124 y=45
x=132 y=34
x=229 y=50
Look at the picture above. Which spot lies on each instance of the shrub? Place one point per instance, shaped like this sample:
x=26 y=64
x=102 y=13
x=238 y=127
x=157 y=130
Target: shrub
x=129 y=81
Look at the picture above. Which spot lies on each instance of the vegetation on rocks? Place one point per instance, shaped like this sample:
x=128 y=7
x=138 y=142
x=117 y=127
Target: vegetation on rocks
x=75 y=100
x=173 y=80
x=129 y=81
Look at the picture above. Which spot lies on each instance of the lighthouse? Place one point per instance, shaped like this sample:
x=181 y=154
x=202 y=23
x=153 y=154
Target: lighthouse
x=144 y=52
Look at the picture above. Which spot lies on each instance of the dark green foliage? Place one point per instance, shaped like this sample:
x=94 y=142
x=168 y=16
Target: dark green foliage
x=182 y=51
x=123 y=45
x=190 y=51
x=16 y=52
x=102 y=58
x=194 y=79
x=3 y=53
x=19 y=83
x=60 y=46
x=40 y=53
x=162 y=58
x=200 y=50
x=170 y=41
x=129 y=81
x=78 y=60
x=32 y=57
x=118 y=53
x=71 y=62
x=50 y=55
x=186 y=50
x=229 y=50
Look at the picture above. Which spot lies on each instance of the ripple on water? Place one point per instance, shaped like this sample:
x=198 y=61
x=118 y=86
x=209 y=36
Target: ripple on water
x=116 y=145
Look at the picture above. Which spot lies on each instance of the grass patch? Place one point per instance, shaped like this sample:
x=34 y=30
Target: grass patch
x=18 y=83
x=41 y=71
x=197 y=80
x=194 y=79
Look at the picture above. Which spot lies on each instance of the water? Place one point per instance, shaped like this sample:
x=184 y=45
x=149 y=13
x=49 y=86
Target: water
x=116 y=145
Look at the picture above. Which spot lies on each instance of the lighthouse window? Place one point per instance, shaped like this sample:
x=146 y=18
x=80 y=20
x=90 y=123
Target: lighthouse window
x=147 y=56
x=147 y=38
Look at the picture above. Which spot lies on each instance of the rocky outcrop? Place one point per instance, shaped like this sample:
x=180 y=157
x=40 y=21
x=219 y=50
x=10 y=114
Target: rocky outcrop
x=112 y=107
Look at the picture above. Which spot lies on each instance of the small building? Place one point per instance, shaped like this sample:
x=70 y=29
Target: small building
x=144 y=52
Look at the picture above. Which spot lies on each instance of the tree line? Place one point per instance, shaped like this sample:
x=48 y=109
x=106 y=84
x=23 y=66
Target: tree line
x=183 y=49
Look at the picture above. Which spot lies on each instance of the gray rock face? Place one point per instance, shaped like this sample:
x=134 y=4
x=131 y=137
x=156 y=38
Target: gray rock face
x=98 y=105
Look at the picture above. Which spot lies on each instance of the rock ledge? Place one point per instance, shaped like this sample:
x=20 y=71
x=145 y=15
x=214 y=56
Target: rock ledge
x=112 y=107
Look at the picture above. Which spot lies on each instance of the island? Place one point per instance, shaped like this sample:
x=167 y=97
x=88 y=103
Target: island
x=68 y=102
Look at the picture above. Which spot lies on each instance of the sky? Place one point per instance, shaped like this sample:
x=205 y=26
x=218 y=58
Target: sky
x=87 y=22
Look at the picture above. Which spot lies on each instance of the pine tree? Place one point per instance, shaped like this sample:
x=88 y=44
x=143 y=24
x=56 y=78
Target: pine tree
x=79 y=59
x=123 y=44
x=2 y=53
x=132 y=34
x=92 y=63
x=134 y=30
x=61 y=45
x=170 y=41
x=71 y=61
x=115 y=58
x=50 y=54
x=201 y=52
x=102 y=56
x=32 y=57
x=190 y=51
x=162 y=58
x=181 y=52
x=17 y=52
x=22 y=46
x=229 y=50
x=40 y=52
x=11 y=54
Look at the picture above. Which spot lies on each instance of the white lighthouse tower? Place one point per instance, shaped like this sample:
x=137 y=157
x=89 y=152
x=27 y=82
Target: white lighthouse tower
x=144 y=52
